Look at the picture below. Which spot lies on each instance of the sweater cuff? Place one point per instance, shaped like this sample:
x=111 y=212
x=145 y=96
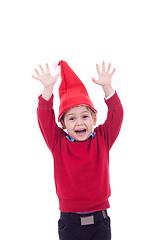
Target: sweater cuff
x=110 y=95
x=44 y=104
x=113 y=102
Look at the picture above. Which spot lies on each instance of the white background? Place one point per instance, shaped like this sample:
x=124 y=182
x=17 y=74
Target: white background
x=83 y=33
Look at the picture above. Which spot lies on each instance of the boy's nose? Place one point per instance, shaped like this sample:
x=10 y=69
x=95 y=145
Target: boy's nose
x=79 y=122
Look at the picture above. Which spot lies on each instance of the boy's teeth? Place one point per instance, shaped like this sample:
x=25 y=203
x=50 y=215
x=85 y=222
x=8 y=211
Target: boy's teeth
x=81 y=131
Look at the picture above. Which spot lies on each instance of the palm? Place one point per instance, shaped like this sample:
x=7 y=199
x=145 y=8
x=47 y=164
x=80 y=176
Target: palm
x=103 y=78
x=45 y=77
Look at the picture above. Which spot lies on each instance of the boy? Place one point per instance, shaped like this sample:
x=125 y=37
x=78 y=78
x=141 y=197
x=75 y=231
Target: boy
x=81 y=156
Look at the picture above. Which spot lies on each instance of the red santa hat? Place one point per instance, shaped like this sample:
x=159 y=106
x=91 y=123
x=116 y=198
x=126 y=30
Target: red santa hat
x=72 y=91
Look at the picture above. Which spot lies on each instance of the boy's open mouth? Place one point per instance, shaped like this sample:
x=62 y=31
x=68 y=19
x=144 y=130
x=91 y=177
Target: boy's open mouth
x=80 y=131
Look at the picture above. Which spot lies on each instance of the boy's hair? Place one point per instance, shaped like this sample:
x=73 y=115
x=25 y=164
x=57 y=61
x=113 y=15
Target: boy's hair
x=93 y=113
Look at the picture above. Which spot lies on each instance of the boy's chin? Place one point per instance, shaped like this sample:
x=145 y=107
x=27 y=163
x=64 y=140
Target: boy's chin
x=81 y=140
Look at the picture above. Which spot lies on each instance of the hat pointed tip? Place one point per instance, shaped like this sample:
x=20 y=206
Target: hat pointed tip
x=60 y=62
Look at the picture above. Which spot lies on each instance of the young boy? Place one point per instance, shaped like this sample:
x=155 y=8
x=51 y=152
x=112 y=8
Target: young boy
x=81 y=156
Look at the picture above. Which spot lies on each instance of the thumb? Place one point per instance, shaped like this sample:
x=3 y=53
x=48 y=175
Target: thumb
x=57 y=76
x=94 y=80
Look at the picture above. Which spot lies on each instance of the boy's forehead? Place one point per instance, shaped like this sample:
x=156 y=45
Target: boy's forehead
x=78 y=108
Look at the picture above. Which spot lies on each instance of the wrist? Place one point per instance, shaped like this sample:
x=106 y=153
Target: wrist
x=47 y=93
x=108 y=90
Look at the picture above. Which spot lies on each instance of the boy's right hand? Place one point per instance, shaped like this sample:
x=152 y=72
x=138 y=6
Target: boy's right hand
x=46 y=78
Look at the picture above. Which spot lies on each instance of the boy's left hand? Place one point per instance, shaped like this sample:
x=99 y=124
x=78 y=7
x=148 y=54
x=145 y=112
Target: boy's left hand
x=105 y=78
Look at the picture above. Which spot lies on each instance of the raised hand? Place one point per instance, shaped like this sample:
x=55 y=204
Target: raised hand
x=45 y=77
x=105 y=78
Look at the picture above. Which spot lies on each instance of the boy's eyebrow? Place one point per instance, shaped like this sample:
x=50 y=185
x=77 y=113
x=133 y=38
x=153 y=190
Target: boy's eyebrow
x=85 y=111
x=74 y=113
x=70 y=114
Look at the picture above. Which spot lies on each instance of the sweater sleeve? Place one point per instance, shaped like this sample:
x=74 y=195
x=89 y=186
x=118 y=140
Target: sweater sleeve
x=111 y=127
x=47 y=123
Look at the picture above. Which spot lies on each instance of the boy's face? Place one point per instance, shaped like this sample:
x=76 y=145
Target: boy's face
x=79 y=122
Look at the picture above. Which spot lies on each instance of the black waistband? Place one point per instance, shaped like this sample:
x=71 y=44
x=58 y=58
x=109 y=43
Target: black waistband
x=84 y=219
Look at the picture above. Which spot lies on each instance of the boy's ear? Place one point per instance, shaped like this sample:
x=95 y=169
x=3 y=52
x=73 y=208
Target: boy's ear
x=63 y=125
x=94 y=119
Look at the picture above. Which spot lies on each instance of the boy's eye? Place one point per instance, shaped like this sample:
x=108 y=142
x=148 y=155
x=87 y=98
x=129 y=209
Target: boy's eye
x=72 y=118
x=85 y=116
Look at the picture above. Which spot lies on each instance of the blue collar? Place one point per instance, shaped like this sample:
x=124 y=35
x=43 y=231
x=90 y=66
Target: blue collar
x=72 y=139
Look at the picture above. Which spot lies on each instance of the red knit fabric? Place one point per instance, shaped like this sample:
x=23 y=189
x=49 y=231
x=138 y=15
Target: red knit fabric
x=81 y=169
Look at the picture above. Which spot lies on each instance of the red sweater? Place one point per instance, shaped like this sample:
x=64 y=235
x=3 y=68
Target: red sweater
x=81 y=169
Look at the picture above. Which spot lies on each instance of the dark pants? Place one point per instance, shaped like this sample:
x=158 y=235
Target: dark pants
x=93 y=226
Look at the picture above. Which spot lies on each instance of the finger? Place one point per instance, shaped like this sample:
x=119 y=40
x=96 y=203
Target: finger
x=113 y=72
x=94 y=80
x=41 y=68
x=35 y=77
x=38 y=74
x=47 y=68
x=109 y=66
x=57 y=76
x=103 y=66
x=98 y=70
